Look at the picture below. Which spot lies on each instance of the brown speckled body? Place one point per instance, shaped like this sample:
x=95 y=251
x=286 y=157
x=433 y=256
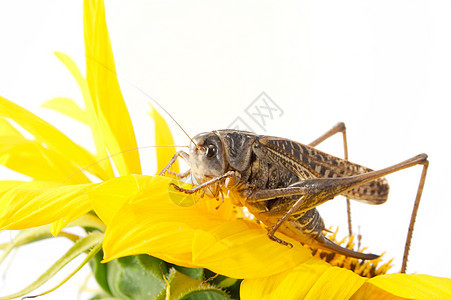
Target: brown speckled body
x=279 y=163
x=282 y=181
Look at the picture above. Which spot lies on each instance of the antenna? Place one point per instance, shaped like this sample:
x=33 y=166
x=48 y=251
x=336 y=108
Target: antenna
x=112 y=155
x=142 y=91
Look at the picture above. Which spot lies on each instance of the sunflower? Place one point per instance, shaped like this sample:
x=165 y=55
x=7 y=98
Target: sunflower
x=143 y=238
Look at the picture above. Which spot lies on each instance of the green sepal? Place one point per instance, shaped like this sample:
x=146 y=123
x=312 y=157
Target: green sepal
x=25 y=236
x=227 y=282
x=196 y=273
x=90 y=242
x=89 y=221
x=146 y=277
x=185 y=287
x=207 y=294
x=102 y=297
x=100 y=271
x=28 y=236
x=136 y=277
x=231 y=285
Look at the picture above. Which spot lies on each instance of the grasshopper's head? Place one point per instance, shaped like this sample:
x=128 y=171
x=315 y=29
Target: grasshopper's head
x=215 y=153
x=207 y=157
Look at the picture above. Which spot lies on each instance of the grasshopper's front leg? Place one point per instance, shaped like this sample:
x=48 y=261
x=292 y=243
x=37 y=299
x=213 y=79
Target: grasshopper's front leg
x=181 y=154
x=179 y=175
x=230 y=174
x=214 y=186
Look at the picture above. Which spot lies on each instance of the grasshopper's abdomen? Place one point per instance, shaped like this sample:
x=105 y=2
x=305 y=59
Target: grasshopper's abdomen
x=267 y=172
x=263 y=174
x=308 y=162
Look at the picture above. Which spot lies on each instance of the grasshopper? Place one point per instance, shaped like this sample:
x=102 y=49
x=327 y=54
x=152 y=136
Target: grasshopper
x=281 y=182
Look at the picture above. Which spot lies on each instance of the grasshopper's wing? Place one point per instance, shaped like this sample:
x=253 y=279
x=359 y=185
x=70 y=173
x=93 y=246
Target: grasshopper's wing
x=307 y=162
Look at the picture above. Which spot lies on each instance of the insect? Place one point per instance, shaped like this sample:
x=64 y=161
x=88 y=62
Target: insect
x=281 y=182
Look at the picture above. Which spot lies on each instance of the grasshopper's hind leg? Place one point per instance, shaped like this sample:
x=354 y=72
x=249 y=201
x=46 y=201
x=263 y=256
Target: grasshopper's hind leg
x=339 y=127
x=315 y=191
x=425 y=164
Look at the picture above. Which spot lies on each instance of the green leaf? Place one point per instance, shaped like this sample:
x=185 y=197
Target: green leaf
x=82 y=245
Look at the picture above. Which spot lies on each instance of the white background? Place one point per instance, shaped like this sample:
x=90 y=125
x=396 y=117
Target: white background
x=382 y=67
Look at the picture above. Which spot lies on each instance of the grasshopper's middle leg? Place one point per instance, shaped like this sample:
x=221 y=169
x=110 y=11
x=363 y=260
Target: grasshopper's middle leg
x=339 y=127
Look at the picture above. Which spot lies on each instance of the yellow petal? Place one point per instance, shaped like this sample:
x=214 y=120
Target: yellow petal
x=32 y=159
x=108 y=197
x=313 y=279
x=371 y=292
x=5 y=186
x=49 y=135
x=402 y=286
x=104 y=88
x=67 y=107
x=90 y=114
x=39 y=203
x=292 y=284
x=133 y=226
x=163 y=136
x=335 y=283
x=7 y=129
x=242 y=249
x=197 y=236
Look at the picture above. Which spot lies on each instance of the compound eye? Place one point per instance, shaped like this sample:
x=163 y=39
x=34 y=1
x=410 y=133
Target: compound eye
x=211 y=151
